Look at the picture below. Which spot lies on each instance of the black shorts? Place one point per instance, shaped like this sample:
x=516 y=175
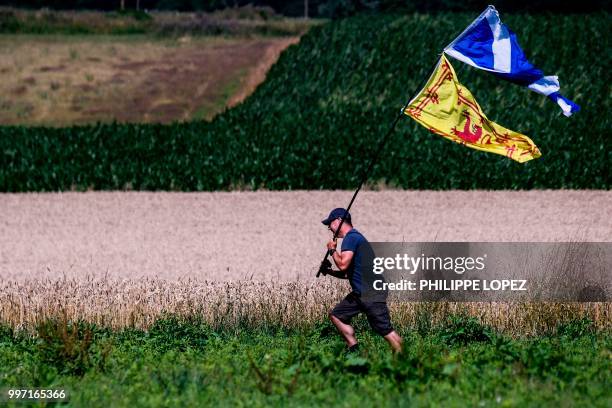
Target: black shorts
x=376 y=312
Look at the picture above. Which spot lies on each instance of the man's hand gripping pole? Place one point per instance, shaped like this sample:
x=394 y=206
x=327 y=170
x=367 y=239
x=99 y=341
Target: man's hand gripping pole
x=326 y=267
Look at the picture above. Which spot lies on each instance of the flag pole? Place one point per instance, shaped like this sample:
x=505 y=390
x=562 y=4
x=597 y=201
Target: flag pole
x=374 y=159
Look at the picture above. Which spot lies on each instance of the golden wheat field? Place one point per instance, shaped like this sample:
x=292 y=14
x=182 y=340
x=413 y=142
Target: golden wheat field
x=124 y=258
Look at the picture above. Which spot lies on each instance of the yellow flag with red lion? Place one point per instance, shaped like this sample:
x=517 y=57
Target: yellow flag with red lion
x=447 y=108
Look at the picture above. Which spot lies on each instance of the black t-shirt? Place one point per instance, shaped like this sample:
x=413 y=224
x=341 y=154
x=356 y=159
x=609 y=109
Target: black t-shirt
x=354 y=241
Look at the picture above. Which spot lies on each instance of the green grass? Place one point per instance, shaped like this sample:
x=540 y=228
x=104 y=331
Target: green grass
x=187 y=363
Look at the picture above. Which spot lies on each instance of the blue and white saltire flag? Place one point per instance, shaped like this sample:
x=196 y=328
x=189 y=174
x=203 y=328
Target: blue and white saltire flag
x=489 y=45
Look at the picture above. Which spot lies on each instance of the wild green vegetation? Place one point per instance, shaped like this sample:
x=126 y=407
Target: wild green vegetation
x=322 y=8
x=325 y=105
x=186 y=362
x=244 y=21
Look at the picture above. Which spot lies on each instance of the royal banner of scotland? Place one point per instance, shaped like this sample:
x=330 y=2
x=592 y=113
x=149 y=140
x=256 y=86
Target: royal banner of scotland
x=448 y=109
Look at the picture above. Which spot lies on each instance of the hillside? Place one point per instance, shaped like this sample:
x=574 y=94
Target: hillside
x=317 y=118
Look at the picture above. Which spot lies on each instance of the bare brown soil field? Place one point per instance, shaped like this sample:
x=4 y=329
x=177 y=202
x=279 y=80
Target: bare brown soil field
x=65 y=80
x=124 y=258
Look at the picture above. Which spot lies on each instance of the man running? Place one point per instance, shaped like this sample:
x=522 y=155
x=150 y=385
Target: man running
x=354 y=253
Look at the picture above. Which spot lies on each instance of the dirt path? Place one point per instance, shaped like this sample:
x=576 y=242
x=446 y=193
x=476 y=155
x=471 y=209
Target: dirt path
x=264 y=235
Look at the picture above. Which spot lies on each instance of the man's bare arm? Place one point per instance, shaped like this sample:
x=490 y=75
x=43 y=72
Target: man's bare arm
x=343 y=260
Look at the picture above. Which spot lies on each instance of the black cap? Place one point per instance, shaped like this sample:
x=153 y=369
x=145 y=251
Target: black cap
x=337 y=213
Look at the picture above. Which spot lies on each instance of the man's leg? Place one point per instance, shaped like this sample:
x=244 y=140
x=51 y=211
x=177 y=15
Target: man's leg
x=346 y=310
x=346 y=330
x=380 y=321
x=395 y=341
